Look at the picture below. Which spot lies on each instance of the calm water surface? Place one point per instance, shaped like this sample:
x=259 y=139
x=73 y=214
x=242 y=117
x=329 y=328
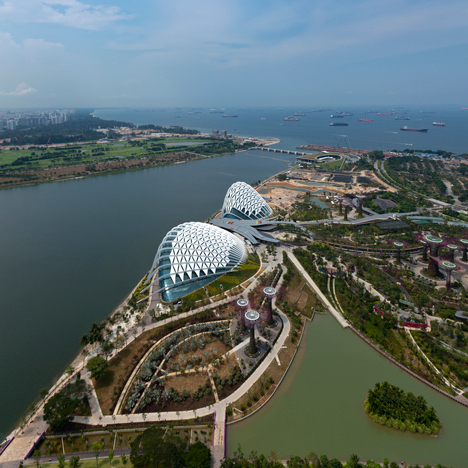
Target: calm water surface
x=320 y=407
x=71 y=251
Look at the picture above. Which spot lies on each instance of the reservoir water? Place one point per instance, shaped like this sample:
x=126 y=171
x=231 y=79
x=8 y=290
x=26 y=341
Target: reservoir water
x=70 y=251
x=319 y=407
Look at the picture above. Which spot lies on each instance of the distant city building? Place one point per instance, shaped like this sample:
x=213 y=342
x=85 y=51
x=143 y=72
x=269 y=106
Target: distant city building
x=11 y=124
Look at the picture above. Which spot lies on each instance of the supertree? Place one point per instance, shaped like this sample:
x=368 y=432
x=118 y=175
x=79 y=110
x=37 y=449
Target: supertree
x=452 y=248
x=269 y=293
x=464 y=249
x=434 y=243
x=425 y=247
x=241 y=306
x=339 y=200
x=449 y=267
x=251 y=319
x=360 y=200
x=346 y=204
x=398 y=245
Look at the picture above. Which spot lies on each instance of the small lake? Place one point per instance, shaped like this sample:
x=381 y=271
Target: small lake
x=320 y=407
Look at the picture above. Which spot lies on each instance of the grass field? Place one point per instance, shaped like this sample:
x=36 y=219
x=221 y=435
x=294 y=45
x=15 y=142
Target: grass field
x=89 y=153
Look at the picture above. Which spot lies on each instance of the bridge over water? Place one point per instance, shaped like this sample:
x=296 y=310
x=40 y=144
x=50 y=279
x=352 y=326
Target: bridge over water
x=278 y=150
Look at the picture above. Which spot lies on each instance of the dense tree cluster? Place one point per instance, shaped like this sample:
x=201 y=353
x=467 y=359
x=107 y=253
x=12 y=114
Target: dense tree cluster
x=389 y=405
x=253 y=460
x=154 y=448
x=81 y=127
x=59 y=409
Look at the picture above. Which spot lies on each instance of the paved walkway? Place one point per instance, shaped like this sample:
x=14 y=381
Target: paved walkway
x=341 y=320
x=24 y=439
x=218 y=451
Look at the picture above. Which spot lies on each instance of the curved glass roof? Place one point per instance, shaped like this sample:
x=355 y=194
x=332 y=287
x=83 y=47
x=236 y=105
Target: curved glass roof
x=192 y=255
x=244 y=202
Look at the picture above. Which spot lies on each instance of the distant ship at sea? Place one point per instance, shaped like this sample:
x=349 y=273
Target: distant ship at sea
x=290 y=119
x=366 y=120
x=229 y=115
x=407 y=129
x=336 y=116
x=300 y=114
x=438 y=124
x=338 y=124
x=399 y=117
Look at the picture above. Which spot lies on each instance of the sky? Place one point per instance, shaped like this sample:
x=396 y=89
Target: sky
x=220 y=53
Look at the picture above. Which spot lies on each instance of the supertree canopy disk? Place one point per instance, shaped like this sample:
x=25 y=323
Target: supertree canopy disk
x=252 y=317
x=435 y=243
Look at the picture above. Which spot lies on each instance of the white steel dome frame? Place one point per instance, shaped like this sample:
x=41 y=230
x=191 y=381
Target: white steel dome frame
x=192 y=255
x=244 y=202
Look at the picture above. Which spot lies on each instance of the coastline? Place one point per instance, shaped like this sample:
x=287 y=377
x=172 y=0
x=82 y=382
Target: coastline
x=134 y=164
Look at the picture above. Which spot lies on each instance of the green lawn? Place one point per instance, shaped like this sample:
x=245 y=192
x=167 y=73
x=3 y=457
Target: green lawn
x=41 y=157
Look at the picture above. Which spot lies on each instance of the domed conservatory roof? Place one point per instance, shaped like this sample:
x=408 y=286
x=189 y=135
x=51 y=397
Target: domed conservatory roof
x=244 y=202
x=192 y=255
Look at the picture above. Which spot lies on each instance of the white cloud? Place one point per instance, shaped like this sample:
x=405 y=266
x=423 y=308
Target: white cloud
x=21 y=90
x=71 y=13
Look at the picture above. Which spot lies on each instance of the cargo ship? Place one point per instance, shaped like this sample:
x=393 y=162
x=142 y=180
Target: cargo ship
x=338 y=124
x=336 y=116
x=401 y=118
x=300 y=114
x=407 y=129
x=291 y=119
x=438 y=124
x=229 y=115
x=366 y=120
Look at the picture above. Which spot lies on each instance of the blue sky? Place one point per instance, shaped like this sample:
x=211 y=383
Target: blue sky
x=76 y=53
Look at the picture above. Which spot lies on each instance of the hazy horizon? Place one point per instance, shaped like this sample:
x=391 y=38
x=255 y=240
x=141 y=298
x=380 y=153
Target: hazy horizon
x=73 y=53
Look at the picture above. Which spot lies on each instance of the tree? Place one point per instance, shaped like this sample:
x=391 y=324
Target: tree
x=97 y=366
x=150 y=450
x=59 y=410
x=37 y=456
x=198 y=456
x=61 y=461
x=43 y=392
x=74 y=461
x=96 y=449
x=111 y=456
x=124 y=459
